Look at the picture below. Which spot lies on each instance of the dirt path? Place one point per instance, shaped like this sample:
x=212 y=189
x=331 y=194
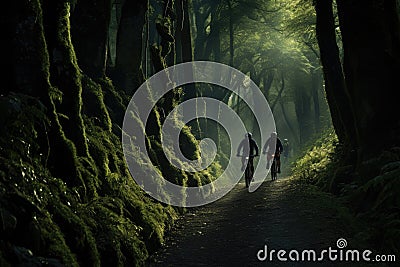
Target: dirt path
x=280 y=214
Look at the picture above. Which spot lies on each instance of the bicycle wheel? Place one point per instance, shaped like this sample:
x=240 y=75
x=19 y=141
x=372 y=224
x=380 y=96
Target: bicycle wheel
x=273 y=170
x=247 y=175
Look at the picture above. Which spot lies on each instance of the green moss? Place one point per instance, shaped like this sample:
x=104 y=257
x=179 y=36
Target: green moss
x=69 y=83
x=117 y=237
x=98 y=150
x=117 y=158
x=106 y=150
x=88 y=208
x=115 y=101
x=153 y=126
x=169 y=172
x=93 y=103
x=318 y=162
x=54 y=242
x=89 y=173
x=77 y=235
x=189 y=144
x=61 y=156
x=118 y=225
x=152 y=217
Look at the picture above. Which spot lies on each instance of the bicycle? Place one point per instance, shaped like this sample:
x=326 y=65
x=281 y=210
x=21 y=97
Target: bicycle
x=249 y=171
x=274 y=166
x=274 y=169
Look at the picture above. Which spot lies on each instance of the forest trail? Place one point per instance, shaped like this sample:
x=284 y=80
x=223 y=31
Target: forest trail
x=229 y=232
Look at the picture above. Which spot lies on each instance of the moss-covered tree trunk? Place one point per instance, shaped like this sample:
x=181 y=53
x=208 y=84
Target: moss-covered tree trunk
x=184 y=28
x=65 y=190
x=207 y=40
x=64 y=71
x=215 y=35
x=90 y=30
x=128 y=74
x=201 y=13
x=30 y=65
x=90 y=23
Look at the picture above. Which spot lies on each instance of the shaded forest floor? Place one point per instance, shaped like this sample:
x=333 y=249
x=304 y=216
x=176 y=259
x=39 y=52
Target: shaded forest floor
x=283 y=214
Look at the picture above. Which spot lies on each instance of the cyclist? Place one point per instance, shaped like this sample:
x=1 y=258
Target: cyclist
x=285 y=149
x=249 y=147
x=270 y=150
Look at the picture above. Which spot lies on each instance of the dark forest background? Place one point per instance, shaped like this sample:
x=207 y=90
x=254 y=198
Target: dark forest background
x=329 y=70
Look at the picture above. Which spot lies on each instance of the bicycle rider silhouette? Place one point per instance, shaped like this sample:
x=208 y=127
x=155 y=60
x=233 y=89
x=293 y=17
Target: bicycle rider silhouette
x=248 y=146
x=270 y=150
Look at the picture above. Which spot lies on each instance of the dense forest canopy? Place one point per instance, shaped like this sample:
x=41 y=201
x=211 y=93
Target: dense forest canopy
x=70 y=68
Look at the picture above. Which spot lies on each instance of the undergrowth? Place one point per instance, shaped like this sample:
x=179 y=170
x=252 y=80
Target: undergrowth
x=318 y=161
x=370 y=191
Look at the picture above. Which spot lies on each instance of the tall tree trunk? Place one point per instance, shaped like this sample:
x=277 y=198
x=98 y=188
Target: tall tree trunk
x=216 y=33
x=64 y=71
x=303 y=112
x=280 y=91
x=289 y=124
x=32 y=61
x=370 y=31
x=231 y=36
x=178 y=31
x=201 y=36
x=187 y=48
x=190 y=90
x=315 y=82
x=267 y=83
x=128 y=74
x=186 y=44
x=89 y=27
x=335 y=88
x=90 y=23
x=213 y=44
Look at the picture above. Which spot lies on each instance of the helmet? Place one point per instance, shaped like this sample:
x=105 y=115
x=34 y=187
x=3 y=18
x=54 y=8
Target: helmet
x=274 y=134
x=285 y=140
x=249 y=135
